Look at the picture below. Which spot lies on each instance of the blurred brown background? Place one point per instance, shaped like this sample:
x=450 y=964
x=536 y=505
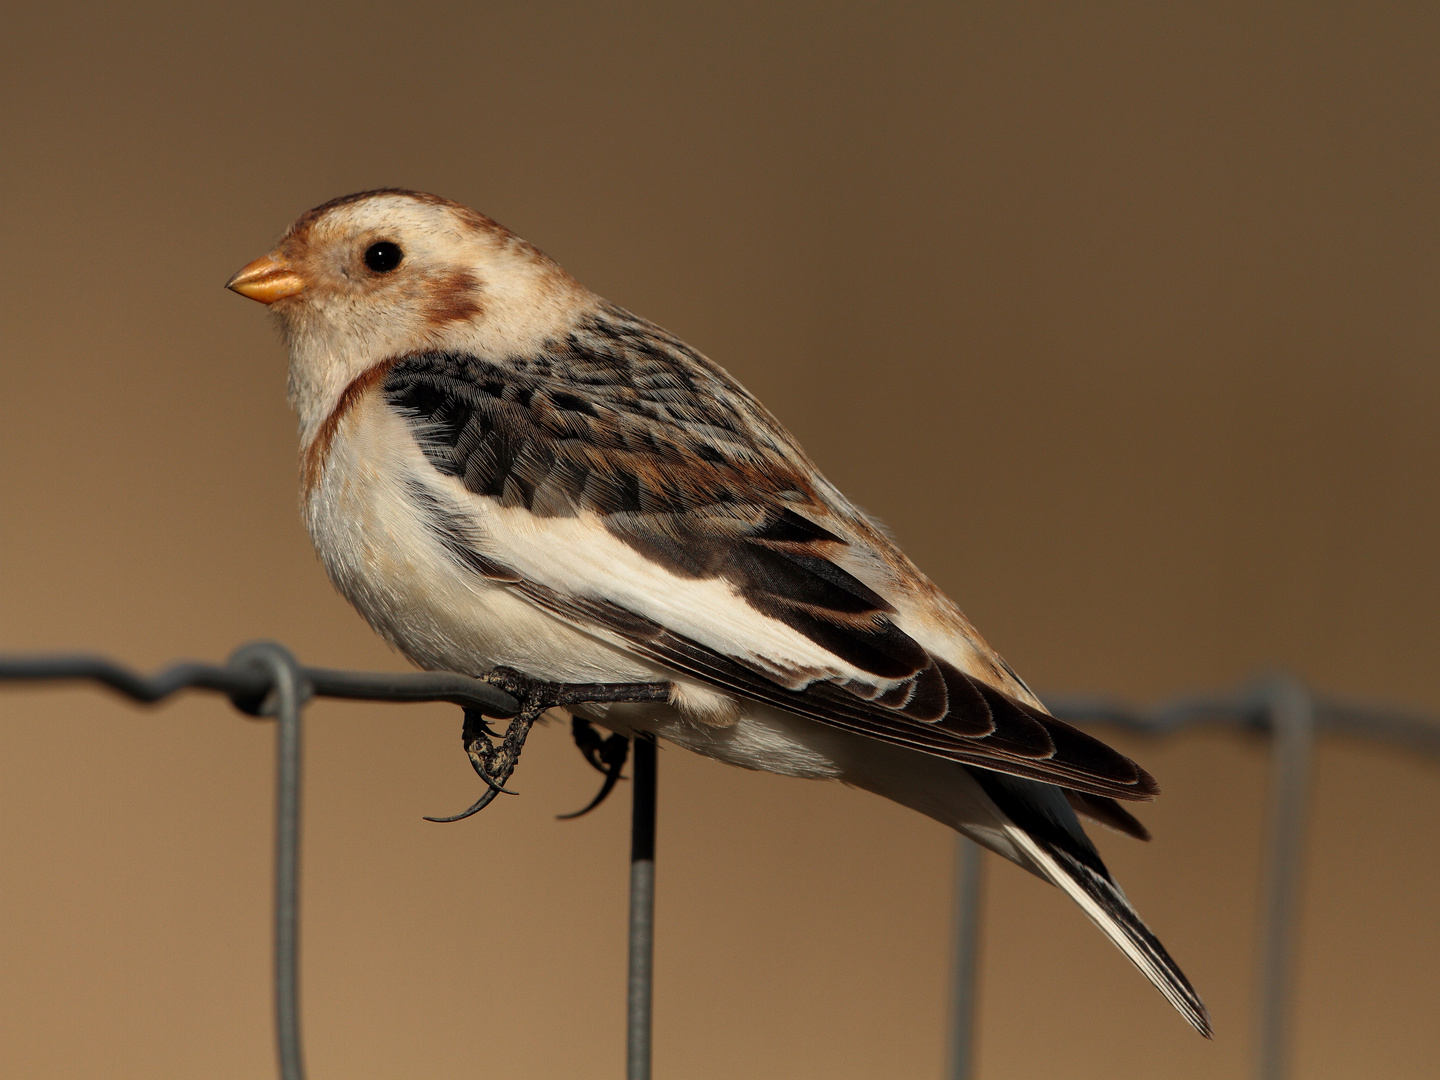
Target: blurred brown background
x=1124 y=318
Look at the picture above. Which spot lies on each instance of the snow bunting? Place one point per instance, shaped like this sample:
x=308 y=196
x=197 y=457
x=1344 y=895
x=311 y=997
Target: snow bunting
x=499 y=468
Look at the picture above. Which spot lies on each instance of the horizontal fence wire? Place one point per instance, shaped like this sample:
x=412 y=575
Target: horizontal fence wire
x=246 y=680
x=1252 y=707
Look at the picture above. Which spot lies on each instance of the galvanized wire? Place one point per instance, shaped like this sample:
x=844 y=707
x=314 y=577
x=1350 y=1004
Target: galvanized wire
x=641 y=980
x=247 y=684
x=264 y=679
x=284 y=703
x=964 y=959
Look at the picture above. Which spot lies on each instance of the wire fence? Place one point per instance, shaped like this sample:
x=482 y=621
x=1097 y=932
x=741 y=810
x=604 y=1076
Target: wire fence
x=264 y=679
x=1285 y=710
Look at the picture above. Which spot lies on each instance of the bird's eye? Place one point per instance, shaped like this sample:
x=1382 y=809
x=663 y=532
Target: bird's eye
x=383 y=257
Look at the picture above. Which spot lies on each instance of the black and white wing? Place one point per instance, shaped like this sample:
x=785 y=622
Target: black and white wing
x=633 y=489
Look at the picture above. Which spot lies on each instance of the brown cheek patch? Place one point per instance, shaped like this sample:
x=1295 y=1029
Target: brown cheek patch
x=312 y=463
x=452 y=297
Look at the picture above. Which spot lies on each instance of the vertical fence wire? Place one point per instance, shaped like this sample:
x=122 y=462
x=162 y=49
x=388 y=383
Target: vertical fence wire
x=287 y=880
x=964 y=960
x=640 y=990
x=1292 y=724
x=287 y=696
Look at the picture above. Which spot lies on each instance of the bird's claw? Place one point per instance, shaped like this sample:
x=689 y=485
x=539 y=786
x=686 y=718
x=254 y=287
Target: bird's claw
x=494 y=763
x=479 y=761
x=607 y=755
x=478 y=805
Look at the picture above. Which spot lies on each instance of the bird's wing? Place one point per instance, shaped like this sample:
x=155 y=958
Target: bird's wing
x=647 y=499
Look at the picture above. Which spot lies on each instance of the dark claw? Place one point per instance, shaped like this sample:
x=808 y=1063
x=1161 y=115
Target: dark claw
x=479 y=805
x=611 y=779
x=606 y=755
x=496 y=787
x=589 y=742
x=495 y=764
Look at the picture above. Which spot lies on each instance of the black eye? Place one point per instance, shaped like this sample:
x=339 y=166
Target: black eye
x=383 y=257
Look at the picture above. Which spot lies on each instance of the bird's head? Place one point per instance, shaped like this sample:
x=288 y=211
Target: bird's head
x=367 y=278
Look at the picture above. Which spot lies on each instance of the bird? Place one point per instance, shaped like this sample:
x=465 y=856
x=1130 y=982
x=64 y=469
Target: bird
x=501 y=470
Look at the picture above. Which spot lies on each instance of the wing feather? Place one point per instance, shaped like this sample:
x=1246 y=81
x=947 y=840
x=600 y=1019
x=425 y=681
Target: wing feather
x=622 y=423
x=1066 y=756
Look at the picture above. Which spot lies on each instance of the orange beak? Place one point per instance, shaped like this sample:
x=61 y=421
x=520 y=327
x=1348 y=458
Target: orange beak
x=269 y=278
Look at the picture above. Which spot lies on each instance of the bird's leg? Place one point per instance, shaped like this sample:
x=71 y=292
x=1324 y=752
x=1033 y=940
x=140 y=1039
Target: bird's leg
x=495 y=764
x=607 y=755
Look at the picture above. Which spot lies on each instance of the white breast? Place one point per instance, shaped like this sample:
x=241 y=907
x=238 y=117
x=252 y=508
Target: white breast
x=383 y=557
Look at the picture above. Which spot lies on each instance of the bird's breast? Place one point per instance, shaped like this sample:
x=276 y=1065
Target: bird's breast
x=385 y=558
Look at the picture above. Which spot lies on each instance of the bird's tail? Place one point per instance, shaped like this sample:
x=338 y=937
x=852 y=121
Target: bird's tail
x=1101 y=899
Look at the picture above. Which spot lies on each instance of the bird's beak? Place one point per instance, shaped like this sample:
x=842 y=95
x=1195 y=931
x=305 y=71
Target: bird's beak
x=269 y=278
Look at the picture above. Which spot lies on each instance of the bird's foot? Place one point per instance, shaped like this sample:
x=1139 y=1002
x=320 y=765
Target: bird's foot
x=494 y=756
x=606 y=754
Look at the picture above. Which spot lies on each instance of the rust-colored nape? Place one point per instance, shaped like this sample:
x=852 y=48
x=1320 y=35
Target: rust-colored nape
x=312 y=461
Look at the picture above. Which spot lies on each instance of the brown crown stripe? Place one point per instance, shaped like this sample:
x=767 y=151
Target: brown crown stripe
x=473 y=218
